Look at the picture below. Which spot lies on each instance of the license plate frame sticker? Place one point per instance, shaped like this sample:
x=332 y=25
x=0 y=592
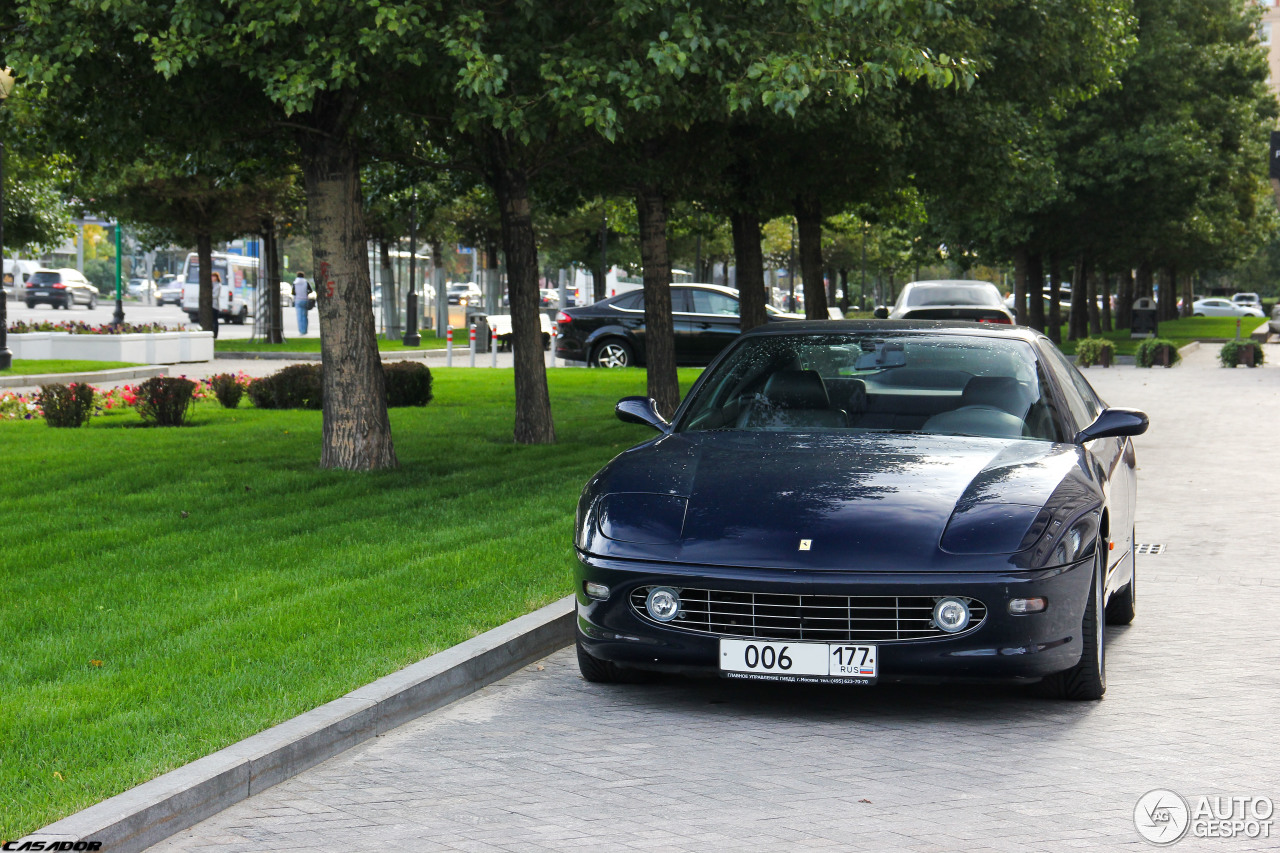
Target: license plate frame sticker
x=785 y=660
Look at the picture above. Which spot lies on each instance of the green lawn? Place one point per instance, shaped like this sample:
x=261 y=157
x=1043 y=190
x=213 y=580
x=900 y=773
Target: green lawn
x=429 y=341
x=1181 y=332
x=167 y=592
x=33 y=366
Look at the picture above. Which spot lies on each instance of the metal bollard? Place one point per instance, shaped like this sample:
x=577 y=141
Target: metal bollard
x=493 y=346
x=473 y=345
x=448 y=347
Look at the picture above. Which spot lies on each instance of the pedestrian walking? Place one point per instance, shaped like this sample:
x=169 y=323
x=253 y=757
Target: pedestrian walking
x=302 y=300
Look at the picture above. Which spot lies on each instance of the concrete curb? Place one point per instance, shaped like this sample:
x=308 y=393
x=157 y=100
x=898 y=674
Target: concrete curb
x=93 y=376
x=155 y=810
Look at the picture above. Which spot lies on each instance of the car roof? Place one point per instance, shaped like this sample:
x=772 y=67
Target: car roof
x=958 y=327
x=949 y=282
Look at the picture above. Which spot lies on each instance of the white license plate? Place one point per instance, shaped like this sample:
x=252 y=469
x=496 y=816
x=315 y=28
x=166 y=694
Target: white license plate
x=787 y=661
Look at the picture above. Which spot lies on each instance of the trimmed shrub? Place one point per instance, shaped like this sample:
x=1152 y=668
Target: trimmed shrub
x=66 y=405
x=1233 y=353
x=1091 y=351
x=164 y=400
x=408 y=383
x=1152 y=351
x=227 y=389
x=298 y=386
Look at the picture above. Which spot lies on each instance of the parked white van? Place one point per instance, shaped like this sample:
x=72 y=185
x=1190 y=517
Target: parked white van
x=235 y=287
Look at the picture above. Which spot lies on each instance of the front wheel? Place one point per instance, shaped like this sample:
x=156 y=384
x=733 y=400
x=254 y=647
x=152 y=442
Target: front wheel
x=1087 y=680
x=93 y=301
x=1197 y=314
x=612 y=353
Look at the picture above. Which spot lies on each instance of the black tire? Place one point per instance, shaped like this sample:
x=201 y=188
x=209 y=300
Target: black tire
x=31 y=305
x=612 y=352
x=93 y=301
x=1123 y=605
x=240 y=318
x=194 y=318
x=1197 y=314
x=605 y=672
x=1087 y=680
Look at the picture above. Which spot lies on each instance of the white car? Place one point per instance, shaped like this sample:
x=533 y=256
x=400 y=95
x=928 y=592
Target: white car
x=1218 y=307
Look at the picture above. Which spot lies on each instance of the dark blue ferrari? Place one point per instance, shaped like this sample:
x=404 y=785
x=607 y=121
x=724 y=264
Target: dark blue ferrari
x=854 y=502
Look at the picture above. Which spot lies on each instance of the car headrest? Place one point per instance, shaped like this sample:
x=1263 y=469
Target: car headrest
x=797 y=389
x=1002 y=392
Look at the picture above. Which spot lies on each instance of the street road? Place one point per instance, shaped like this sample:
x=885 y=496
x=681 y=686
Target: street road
x=544 y=761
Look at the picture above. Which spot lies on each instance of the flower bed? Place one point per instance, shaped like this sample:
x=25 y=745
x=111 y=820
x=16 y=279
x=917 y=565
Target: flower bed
x=73 y=327
x=27 y=406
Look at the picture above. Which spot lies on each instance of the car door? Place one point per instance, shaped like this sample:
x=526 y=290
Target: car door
x=713 y=322
x=1113 y=456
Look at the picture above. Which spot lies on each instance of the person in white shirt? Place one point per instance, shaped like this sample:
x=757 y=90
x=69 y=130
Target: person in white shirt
x=301 y=300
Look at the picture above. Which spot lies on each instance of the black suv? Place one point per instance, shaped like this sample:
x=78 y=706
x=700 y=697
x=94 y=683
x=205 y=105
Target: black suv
x=610 y=333
x=60 y=288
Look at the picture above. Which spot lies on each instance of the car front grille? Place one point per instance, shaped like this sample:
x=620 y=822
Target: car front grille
x=821 y=618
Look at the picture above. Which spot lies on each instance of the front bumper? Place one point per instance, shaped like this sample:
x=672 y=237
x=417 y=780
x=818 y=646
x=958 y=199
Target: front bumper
x=1003 y=646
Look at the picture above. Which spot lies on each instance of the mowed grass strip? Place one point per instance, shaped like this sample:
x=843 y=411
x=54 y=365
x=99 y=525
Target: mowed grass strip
x=1181 y=332
x=429 y=341
x=167 y=592
x=37 y=366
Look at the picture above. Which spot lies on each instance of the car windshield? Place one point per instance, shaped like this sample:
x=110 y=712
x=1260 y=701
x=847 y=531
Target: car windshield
x=873 y=382
x=921 y=295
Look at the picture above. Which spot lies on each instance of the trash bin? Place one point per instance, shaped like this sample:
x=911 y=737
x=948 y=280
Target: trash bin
x=1144 y=323
x=482 y=329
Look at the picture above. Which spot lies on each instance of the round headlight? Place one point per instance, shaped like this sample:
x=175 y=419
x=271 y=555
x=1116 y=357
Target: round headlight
x=951 y=615
x=663 y=603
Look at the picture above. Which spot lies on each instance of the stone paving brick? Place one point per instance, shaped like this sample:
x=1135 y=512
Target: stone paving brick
x=544 y=761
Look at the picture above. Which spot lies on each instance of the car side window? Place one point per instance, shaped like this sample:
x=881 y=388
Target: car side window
x=631 y=302
x=712 y=302
x=1081 y=399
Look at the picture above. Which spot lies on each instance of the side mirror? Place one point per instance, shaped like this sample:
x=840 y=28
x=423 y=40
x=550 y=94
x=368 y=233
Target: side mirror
x=1114 y=422
x=881 y=313
x=641 y=410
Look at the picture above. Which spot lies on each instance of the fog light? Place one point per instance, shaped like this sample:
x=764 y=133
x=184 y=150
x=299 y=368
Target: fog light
x=1020 y=606
x=663 y=603
x=598 y=591
x=951 y=615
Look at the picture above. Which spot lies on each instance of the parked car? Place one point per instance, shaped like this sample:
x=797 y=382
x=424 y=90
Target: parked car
x=1064 y=304
x=61 y=288
x=1274 y=322
x=1251 y=300
x=857 y=502
x=611 y=332
x=1218 y=307
x=949 y=300
x=141 y=288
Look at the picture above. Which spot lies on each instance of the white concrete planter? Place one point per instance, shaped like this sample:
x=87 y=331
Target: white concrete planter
x=157 y=348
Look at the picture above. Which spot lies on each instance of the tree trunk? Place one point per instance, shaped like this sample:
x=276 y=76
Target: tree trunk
x=1188 y=295
x=844 y=290
x=1035 y=291
x=1124 y=301
x=1143 y=284
x=1167 y=307
x=204 y=256
x=1078 y=324
x=1055 y=297
x=1095 y=319
x=600 y=264
x=1020 y=264
x=390 y=307
x=831 y=287
x=510 y=184
x=808 y=211
x=357 y=432
x=1104 y=310
x=752 y=296
x=659 y=326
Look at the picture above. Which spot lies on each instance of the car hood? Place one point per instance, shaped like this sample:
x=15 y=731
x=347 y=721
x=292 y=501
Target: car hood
x=866 y=502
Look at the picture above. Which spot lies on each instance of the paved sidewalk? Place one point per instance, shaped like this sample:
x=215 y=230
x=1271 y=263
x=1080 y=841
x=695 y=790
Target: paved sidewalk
x=544 y=761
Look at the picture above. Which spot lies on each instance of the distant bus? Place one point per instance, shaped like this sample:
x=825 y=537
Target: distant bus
x=235 y=287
